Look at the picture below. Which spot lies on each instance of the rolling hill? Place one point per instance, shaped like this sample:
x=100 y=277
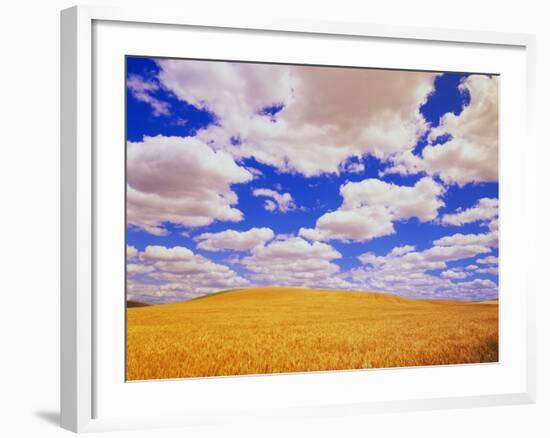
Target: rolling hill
x=280 y=330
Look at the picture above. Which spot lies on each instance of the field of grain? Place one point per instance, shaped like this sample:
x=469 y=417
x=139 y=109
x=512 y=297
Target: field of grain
x=280 y=330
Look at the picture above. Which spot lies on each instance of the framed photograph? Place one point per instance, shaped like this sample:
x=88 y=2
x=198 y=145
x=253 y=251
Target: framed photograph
x=282 y=219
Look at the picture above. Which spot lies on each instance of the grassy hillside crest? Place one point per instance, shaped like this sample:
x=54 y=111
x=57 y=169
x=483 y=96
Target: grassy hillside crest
x=279 y=330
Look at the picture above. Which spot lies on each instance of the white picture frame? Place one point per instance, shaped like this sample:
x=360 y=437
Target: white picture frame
x=80 y=170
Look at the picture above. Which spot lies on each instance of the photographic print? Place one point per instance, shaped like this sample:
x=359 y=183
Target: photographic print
x=296 y=218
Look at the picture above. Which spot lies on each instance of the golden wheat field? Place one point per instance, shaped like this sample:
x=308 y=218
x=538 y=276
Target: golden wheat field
x=280 y=330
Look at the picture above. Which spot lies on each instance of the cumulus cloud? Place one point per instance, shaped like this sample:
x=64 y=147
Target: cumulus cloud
x=486 y=210
x=401 y=250
x=327 y=114
x=234 y=240
x=136 y=268
x=131 y=252
x=455 y=274
x=493 y=270
x=256 y=172
x=172 y=274
x=348 y=225
x=276 y=201
x=420 y=201
x=270 y=205
x=476 y=289
x=411 y=273
x=352 y=167
x=295 y=262
x=489 y=260
x=144 y=91
x=489 y=239
x=181 y=181
x=161 y=253
x=370 y=208
x=471 y=153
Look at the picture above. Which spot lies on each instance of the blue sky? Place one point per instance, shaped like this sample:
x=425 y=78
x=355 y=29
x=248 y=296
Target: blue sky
x=319 y=173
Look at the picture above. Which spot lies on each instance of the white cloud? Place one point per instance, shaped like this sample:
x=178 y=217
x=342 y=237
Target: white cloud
x=256 y=172
x=283 y=236
x=131 y=252
x=328 y=115
x=161 y=253
x=471 y=153
x=172 y=274
x=409 y=272
x=454 y=274
x=351 y=225
x=182 y=181
x=449 y=253
x=491 y=270
x=478 y=288
x=270 y=205
x=143 y=90
x=421 y=200
x=486 y=209
x=371 y=206
x=369 y=258
x=489 y=260
x=295 y=262
x=352 y=167
x=235 y=240
x=401 y=250
x=488 y=239
x=136 y=268
x=144 y=292
x=277 y=201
